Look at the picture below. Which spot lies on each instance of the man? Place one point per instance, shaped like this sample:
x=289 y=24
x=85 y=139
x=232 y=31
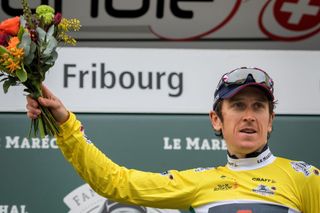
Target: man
x=253 y=181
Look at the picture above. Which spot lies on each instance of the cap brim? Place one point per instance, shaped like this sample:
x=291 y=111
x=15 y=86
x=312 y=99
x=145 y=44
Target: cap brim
x=236 y=90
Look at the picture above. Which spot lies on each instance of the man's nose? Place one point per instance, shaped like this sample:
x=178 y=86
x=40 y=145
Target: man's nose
x=249 y=115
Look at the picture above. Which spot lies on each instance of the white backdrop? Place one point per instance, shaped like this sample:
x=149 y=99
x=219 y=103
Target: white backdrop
x=182 y=81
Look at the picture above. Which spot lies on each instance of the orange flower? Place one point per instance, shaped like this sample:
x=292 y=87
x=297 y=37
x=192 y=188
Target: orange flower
x=13 y=42
x=12 y=65
x=10 y=26
x=18 y=53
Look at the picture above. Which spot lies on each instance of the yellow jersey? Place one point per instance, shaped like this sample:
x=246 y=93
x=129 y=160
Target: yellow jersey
x=261 y=184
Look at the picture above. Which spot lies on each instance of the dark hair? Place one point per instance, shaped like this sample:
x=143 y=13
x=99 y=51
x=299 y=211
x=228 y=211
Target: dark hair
x=218 y=110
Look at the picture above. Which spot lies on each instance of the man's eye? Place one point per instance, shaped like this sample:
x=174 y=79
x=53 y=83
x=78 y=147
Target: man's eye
x=258 y=105
x=238 y=105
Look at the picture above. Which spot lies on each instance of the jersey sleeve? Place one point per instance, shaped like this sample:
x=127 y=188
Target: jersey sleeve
x=173 y=189
x=310 y=192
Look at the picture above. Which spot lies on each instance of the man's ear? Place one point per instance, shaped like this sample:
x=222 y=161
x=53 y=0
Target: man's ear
x=215 y=121
x=271 y=122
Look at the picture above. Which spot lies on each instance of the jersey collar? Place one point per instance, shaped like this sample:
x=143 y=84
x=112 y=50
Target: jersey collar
x=263 y=159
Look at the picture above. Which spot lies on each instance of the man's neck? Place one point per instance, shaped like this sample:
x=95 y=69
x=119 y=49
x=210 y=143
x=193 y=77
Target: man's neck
x=251 y=161
x=249 y=155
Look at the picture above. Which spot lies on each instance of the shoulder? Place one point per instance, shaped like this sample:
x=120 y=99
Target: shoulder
x=198 y=171
x=195 y=172
x=299 y=170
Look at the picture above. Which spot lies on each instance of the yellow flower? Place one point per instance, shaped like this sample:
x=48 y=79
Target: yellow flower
x=74 y=24
x=69 y=25
x=65 y=26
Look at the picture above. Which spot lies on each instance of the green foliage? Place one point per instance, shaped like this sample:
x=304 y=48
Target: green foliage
x=3 y=50
x=29 y=58
x=39 y=35
x=21 y=31
x=45 y=13
x=8 y=81
x=25 y=43
x=22 y=75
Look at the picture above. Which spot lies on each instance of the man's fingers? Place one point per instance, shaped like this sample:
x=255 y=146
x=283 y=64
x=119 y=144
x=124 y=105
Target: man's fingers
x=46 y=92
x=32 y=107
x=31 y=102
x=32 y=115
x=51 y=103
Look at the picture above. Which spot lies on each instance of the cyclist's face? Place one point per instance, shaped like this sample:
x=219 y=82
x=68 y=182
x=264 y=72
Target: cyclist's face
x=246 y=121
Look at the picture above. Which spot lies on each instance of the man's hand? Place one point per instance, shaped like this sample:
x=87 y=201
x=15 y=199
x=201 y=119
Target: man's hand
x=58 y=110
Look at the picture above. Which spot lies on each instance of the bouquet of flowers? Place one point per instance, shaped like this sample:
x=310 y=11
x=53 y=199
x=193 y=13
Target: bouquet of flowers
x=28 y=50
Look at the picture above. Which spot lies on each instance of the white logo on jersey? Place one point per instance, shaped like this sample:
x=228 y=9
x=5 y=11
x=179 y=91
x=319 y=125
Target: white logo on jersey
x=263 y=190
x=301 y=166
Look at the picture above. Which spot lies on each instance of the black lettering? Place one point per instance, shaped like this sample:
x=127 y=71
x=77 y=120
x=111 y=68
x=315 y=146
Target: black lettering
x=179 y=85
x=149 y=81
x=94 y=76
x=178 y=12
x=159 y=76
x=103 y=76
x=81 y=79
x=58 y=6
x=131 y=80
x=126 y=13
x=94 y=8
x=77 y=200
x=85 y=197
x=160 y=9
x=66 y=74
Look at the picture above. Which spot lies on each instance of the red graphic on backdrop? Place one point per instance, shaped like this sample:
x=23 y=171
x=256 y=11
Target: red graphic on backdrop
x=297 y=15
x=290 y=20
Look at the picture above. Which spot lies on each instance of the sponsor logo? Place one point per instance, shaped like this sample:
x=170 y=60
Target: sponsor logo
x=223 y=187
x=264 y=190
x=196 y=18
x=193 y=143
x=99 y=77
x=147 y=20
x=301 y=166
x=83 y=199
x=17 y=142
x=228 y=183
x=264 y=158
x=233 y=164
x=201 y=169
x=267 y=180
x=290 y=20
x=13 y=209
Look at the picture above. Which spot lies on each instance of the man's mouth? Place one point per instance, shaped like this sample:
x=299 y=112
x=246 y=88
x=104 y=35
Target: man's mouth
x=248 y=131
